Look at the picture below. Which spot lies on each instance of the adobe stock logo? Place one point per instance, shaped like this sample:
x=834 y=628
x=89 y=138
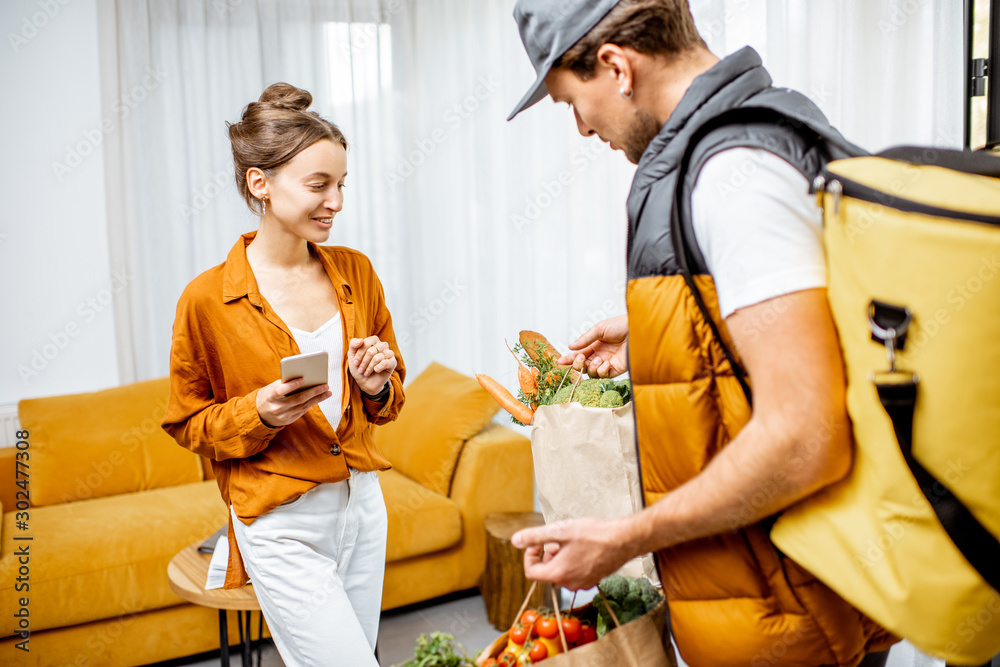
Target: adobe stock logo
x=30 y=26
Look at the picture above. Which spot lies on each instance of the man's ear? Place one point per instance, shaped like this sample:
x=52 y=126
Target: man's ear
x=614 y=62
x=257 y=182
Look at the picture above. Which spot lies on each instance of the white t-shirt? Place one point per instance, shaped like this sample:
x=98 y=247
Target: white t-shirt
x=328 y=338
x=758 y=228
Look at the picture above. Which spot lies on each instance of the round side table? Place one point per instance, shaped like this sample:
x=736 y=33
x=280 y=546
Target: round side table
x=187 y=572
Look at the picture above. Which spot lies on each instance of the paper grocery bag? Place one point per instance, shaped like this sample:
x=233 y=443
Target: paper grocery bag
x=644 y=642
x=586 y=465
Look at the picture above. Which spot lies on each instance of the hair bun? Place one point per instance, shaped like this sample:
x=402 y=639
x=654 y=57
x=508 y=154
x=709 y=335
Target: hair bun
x=286 y=96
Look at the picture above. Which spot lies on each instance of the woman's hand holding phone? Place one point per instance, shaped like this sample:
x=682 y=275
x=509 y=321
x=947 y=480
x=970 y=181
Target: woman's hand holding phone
x=278 y=403
x=371 y=362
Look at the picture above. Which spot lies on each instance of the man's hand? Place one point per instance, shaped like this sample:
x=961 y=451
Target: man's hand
x=371 y=362
x=603 y=349
x=573 y=554
x=277 y=405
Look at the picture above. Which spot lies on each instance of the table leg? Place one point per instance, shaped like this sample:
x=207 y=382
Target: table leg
x=247 y=656
x=260 y=635
x=223 y=638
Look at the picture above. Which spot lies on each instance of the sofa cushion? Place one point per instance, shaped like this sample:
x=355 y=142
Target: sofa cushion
x=103 y=558
x=103 y=443
x=443 y=409
x=420 y=520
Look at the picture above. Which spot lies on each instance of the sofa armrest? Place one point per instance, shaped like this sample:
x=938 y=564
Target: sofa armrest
x=494 y=474
x=8 y=474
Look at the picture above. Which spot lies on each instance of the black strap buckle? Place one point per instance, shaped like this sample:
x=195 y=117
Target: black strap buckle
x=889 y=324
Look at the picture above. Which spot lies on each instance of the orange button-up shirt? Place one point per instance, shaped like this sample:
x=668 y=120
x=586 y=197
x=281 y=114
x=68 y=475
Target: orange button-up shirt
x=228 y=343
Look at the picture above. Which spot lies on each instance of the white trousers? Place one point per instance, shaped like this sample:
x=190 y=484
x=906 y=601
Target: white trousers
x=317 y=564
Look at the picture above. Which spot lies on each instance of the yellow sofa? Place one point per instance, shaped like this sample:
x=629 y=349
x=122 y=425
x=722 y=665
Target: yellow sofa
x=113 y=499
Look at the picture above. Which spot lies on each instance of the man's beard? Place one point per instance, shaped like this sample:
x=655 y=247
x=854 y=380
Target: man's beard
x=642 y=131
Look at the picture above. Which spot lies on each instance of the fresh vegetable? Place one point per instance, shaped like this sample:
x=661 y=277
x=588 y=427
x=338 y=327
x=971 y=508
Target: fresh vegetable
x=438 y=650
x=591 y=393
x=547 y=627
x=527 y=378
x=587 y=634
x=518 y=410
x=628 y=597
x=537 y=651
x=533 y=637
x=551 y=383
x=610 y=399
x=519 y=634
x=571 y=629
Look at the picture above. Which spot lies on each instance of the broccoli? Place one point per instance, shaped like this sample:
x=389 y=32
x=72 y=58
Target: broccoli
x=628 y=598
x=588 y=393
x=611 y=399
x=594 y=393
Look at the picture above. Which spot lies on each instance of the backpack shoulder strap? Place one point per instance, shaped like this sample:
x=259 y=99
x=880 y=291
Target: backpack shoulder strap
x=980 y=548
x=980 y=163
x=686 y=248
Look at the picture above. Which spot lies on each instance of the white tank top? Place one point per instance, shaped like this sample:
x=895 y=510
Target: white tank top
x=328 y=338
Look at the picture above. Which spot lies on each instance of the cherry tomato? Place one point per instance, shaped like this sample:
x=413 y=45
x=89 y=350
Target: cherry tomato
x=587 y=635
x=538 y=652
x=507 y=659
x=547 y=626
x=571 y=628
x=528 y=617
x=519 y=634
x=490 y=662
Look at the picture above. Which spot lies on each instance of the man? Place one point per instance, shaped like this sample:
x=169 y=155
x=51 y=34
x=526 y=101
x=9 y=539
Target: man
x=637 y=74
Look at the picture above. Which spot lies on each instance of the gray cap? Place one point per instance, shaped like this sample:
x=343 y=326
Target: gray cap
x=548 y=29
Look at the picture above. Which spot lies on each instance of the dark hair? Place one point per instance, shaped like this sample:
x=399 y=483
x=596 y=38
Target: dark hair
x=652 y=27
x=275 y=129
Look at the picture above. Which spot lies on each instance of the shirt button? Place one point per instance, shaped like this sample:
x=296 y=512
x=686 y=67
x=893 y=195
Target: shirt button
x=335 y=450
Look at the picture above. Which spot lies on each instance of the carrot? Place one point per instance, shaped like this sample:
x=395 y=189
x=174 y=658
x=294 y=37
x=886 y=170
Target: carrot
x=516 y=408
x=527 y=381
x=526 y=378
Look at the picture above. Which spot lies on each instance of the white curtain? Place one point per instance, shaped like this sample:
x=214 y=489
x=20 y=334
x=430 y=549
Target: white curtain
x=886 y=72
x=477 y=227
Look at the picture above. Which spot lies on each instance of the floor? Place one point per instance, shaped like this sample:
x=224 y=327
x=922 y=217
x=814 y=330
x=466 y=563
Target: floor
x=464 y=616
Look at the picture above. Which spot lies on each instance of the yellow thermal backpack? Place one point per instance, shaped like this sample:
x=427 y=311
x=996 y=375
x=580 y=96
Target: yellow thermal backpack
x=910 y=537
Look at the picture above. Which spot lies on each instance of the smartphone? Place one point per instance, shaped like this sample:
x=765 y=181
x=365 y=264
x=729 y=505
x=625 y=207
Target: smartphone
x=313 y=368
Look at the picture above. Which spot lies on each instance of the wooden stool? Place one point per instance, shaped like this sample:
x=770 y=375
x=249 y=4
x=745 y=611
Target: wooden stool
x=503 y=584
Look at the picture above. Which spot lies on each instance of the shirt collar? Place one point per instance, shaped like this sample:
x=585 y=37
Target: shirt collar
x=238 y=280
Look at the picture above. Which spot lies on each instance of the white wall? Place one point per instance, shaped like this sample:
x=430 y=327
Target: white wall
x=58 y=331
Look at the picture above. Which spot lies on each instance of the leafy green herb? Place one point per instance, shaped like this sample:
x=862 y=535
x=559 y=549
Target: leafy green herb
x=438 y=650
x=550 y=376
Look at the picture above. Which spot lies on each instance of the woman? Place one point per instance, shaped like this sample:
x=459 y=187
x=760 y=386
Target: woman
x=297 y=469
